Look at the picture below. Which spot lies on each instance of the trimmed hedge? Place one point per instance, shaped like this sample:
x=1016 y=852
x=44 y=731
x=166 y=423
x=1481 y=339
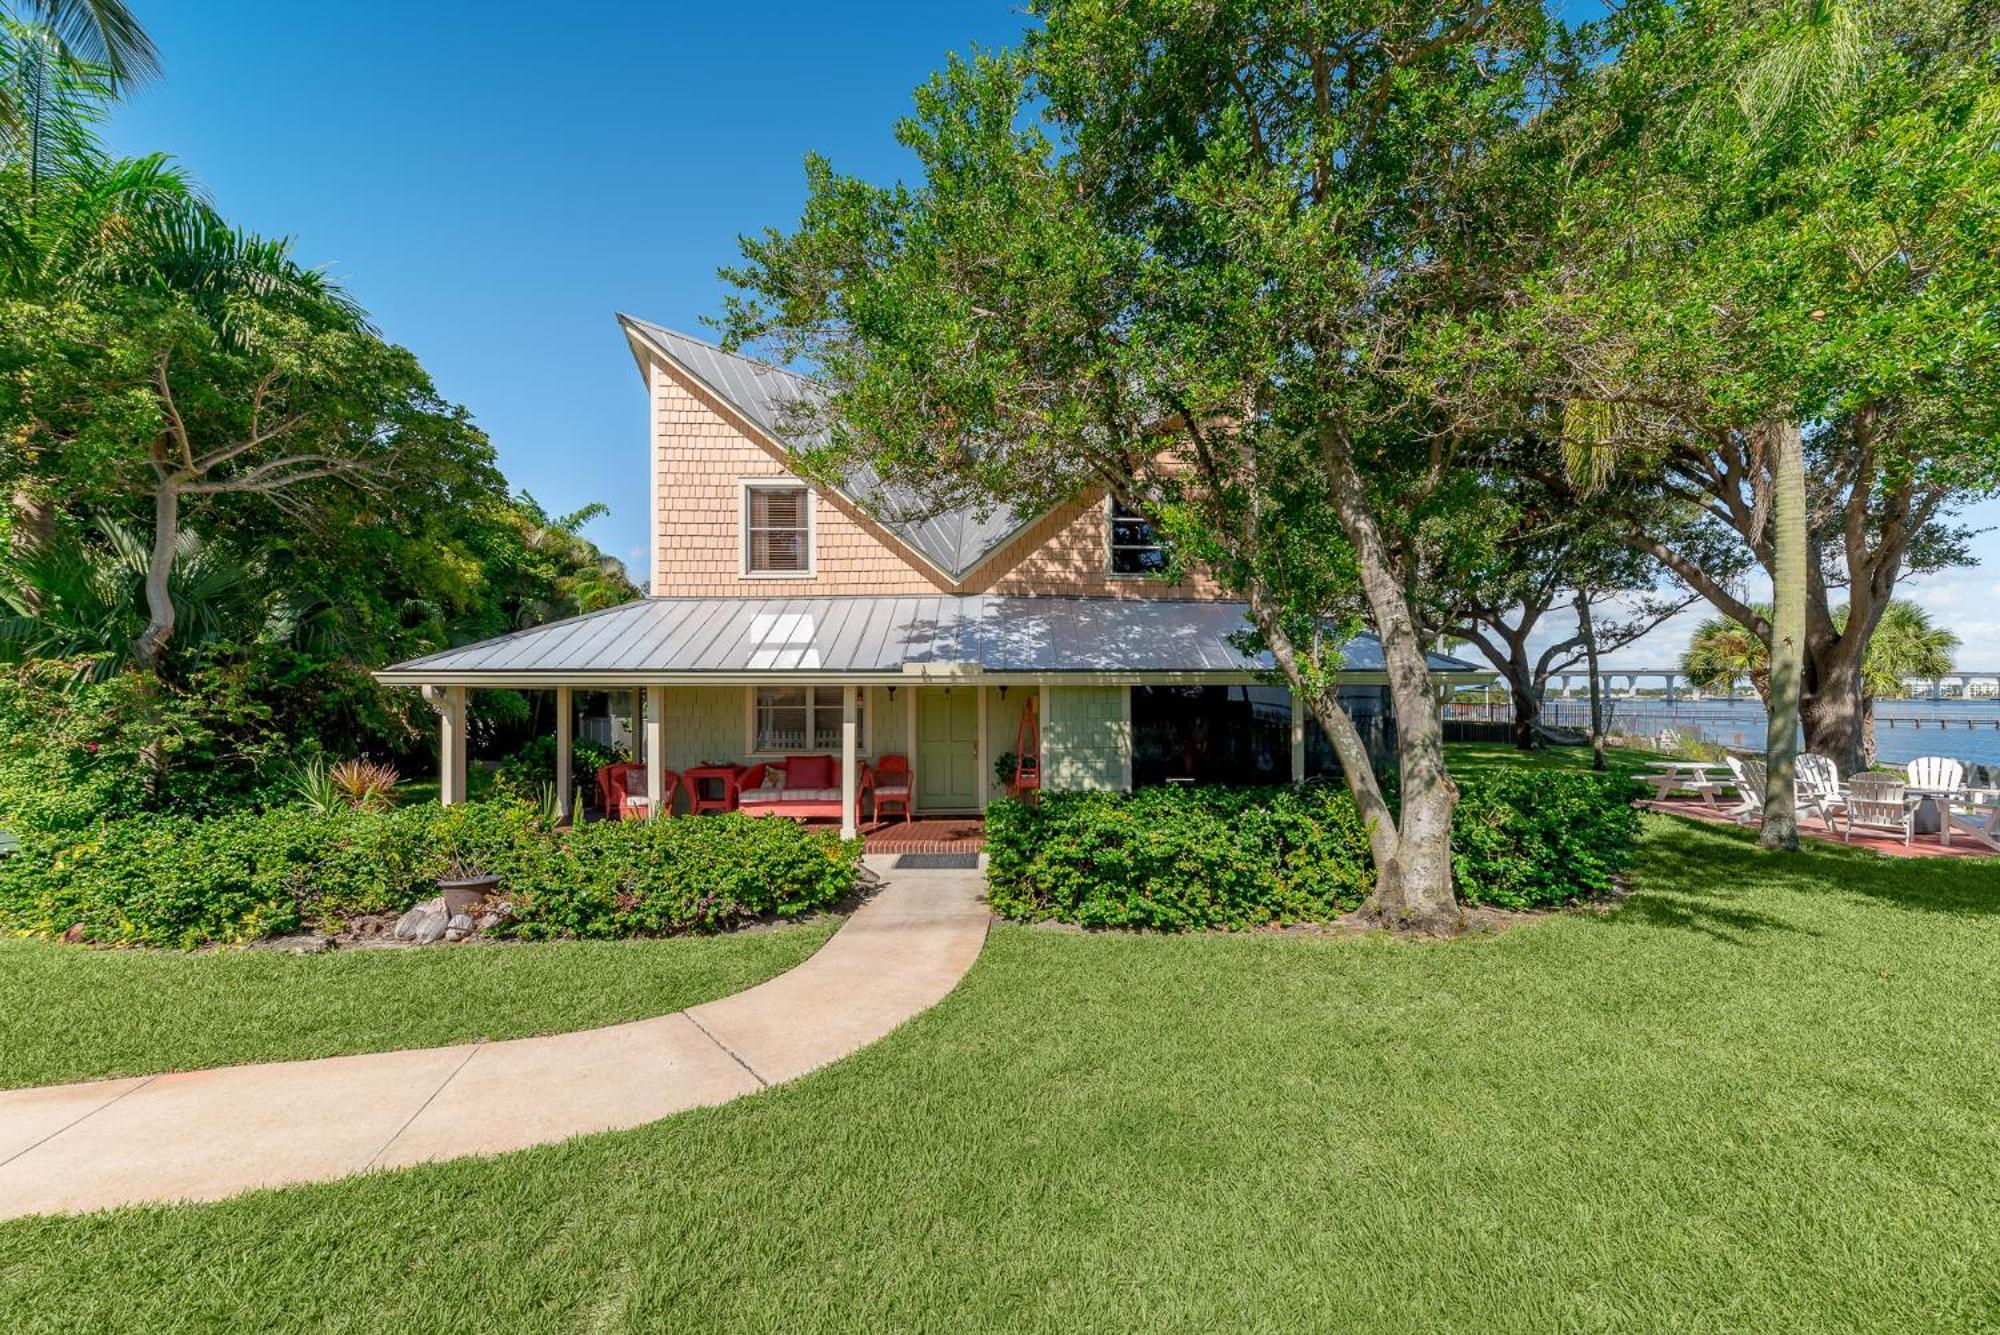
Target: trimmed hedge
x=1182 y=859
x=173 y=881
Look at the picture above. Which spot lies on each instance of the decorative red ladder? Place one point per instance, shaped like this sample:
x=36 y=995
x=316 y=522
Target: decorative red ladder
x=1027 y=752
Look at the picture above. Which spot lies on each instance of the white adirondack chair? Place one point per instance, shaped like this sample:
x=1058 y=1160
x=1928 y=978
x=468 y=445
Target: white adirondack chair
x=1749 y=791
x=1820 y=777
x=1880 y=802
x=1752 y=777
x=1975 y=813
x=1936 y=772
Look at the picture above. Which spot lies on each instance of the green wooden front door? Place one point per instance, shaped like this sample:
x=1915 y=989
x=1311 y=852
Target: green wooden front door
x=947 y=757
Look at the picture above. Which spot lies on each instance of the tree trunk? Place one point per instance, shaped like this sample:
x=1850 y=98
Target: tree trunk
x=1788 y=634
x=1527 y=713
x=1413 y=884
x=152 y=641
x=1588 y=630
x=1867 y=732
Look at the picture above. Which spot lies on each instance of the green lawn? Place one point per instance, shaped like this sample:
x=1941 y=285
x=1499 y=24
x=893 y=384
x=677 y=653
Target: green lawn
x=70 y=1014
x=1758 y=1095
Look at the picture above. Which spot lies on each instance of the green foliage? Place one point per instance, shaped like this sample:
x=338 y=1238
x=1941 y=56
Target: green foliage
x=178 y=882
x=1528 y=839
x=526 y=771
x=1179 y=859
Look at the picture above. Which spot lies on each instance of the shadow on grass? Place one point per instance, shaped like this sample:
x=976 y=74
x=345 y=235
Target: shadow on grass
x=1689 y=874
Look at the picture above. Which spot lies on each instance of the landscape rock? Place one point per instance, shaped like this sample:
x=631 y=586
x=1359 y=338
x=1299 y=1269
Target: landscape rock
x=75 y=935
x=454 y=934
x=412 y=922
x=459 y=922
x=301 y=943
x=432 y=928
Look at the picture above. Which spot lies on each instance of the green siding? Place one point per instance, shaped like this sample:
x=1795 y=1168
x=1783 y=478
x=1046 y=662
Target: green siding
x=1089 y=735
x=707 y=723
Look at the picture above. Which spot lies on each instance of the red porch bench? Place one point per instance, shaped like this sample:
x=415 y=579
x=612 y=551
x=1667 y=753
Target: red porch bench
x=810 y=789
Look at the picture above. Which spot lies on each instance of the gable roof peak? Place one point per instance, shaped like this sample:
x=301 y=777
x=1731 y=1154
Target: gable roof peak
x=771 y=398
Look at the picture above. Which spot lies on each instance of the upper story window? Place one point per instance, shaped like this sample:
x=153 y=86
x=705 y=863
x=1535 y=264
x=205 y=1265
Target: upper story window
x=777 y=529
x=1136 y=548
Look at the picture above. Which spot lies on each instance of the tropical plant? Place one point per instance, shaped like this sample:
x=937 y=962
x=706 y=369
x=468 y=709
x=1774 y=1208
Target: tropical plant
x=311 y=781
x=83 y=599
x=365 y=785
x=1723 y=651
x=98 y=36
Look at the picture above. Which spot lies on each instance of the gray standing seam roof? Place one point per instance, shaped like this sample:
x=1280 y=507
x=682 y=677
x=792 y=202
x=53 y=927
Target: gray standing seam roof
x=782 y=404
x=864 y=635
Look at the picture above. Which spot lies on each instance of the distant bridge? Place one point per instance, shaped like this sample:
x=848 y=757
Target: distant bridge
x=1625 y=683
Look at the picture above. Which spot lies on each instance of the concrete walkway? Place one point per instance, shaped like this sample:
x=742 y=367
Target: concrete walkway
x=203 y=1135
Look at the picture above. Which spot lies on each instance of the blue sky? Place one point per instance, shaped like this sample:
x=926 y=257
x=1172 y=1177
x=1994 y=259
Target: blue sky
x=494 y=181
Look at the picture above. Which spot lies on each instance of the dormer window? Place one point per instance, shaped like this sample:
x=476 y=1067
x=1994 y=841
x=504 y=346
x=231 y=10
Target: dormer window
x=777 y=530
x=1136 y=548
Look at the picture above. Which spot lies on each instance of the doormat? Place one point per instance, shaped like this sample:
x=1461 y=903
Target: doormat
x=938 y=862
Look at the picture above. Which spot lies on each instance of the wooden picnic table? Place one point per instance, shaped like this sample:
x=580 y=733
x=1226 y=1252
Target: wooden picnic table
x=1693 y=776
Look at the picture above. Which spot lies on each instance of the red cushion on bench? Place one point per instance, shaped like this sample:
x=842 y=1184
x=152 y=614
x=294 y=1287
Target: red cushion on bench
x=810 y=772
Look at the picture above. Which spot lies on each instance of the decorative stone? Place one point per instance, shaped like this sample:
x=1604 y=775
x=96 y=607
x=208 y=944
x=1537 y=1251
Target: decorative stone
x=406 y=926
x=488 y=921
x=459 y=922
x=432 y=928
x=303 y=943
x=454 y=934
x=75 y=935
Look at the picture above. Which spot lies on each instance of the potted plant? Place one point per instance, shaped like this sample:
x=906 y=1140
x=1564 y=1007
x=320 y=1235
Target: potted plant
x=464 y=884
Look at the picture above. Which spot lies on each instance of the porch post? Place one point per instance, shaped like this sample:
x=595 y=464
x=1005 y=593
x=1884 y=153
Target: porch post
x=850 y=752
x=656 y=750
x=565 y=744
x=451 y=747
x=1298 y=738
x=985 y=765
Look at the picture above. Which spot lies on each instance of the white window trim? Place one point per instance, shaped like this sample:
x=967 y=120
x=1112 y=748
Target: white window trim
x=744 y=486
x=1111 y=570
x=750 y=724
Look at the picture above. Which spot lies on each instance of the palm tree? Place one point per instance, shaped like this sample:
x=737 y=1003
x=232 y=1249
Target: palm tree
x=100 y=36
x=1905 y=644
x=1724 y=651
x=84 y=601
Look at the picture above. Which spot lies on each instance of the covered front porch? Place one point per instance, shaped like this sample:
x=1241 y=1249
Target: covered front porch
x=867 y=711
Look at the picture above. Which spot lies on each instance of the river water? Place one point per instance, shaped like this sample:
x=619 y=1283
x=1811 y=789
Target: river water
x=1967 y=730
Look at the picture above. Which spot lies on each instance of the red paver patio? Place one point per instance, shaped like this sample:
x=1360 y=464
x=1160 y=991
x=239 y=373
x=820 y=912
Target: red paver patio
x=926 y=834
x=1923 y=846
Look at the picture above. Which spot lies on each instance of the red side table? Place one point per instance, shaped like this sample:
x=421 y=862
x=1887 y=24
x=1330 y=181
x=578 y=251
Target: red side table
x=697 y=781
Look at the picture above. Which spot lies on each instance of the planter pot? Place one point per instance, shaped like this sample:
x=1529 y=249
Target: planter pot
x=461 y=895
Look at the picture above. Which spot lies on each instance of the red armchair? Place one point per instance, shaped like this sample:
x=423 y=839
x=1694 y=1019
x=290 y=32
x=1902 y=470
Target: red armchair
x=621 y=791
x=894 y=784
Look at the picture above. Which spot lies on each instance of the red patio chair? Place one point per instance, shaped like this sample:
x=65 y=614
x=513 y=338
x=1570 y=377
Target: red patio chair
x=894 y=784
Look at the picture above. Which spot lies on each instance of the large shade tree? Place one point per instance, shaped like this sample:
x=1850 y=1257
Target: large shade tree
x=1773 y=229
x=1176 y=250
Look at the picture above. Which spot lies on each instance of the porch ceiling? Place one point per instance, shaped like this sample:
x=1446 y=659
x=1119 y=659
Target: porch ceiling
x=962 y=635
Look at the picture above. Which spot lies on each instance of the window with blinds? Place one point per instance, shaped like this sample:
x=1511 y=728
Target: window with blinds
x=777 y=530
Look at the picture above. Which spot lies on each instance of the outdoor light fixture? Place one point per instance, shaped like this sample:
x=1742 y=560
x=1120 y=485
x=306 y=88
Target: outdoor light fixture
x=1003 y=690
x=892 y=692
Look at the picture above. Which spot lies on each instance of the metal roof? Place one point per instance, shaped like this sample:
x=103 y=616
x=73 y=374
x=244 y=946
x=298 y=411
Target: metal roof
x=783 y=405
x=975 y=633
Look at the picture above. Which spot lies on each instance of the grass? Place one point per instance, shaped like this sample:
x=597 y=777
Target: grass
x=71 y=1014
x=1756 y=1095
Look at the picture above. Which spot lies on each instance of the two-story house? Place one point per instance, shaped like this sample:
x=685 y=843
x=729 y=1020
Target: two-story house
x=789 y=619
